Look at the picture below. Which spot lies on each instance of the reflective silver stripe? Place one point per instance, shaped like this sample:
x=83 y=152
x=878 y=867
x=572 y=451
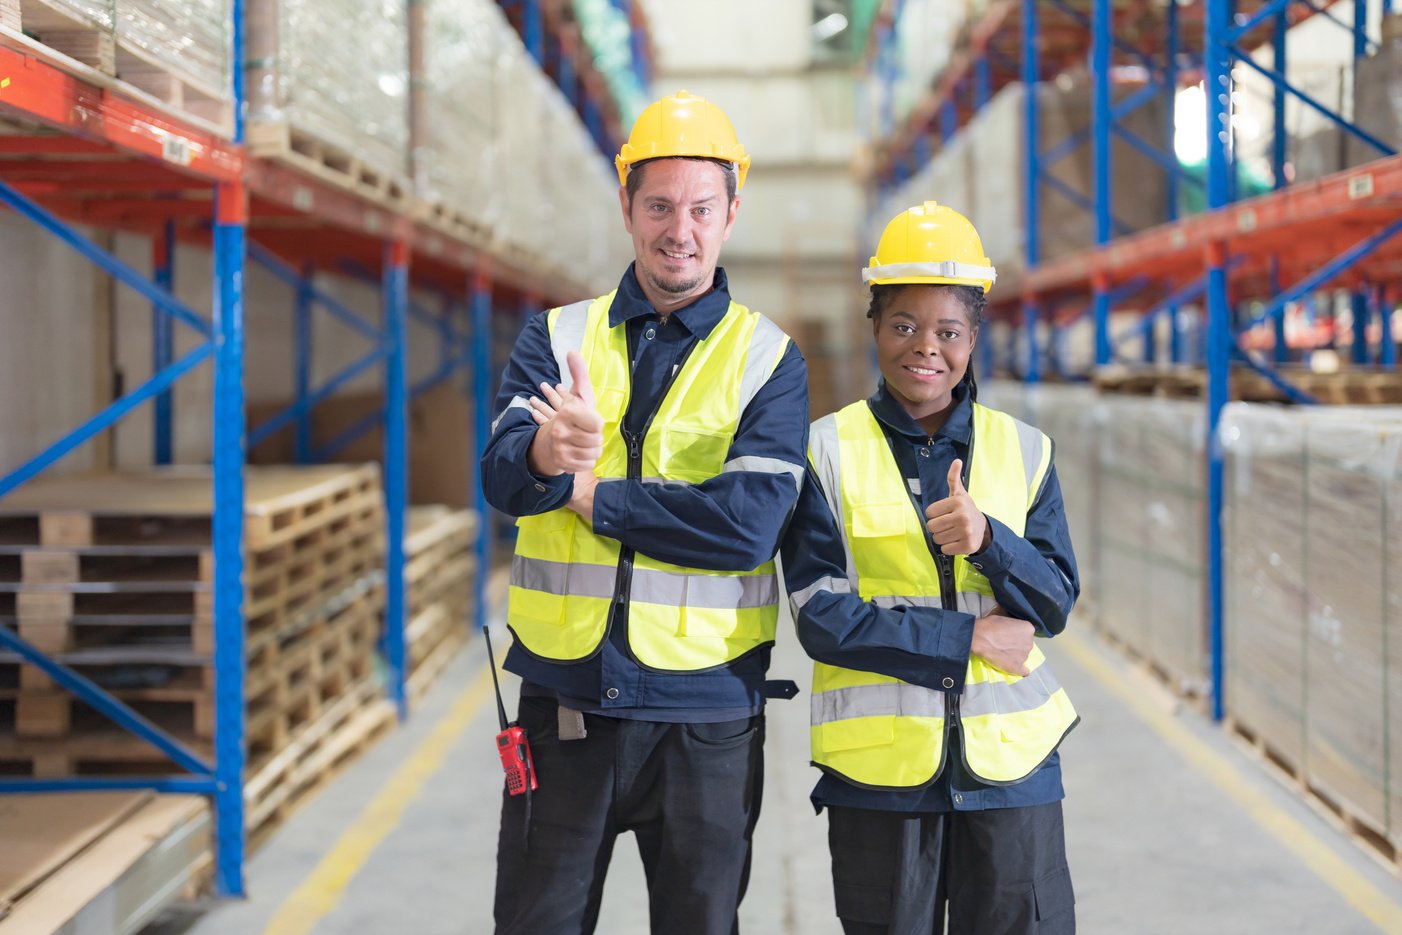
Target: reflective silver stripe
x=1031 y=441
x=674 y=589
x=967 y=602
x=517 y=402
x=823 y=451
x=914 y=484
x=568 y=335
x=1026 y=694
x=664 y=480
x=827 y=583
x=765 y=466
x=888 y=698
x=761 y=360
x=717 y=592
x=946 y=269
x=575 y=579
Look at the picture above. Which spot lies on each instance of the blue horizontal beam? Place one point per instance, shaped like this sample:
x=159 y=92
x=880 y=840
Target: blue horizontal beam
x=88 y=691
x=139 y=282
x=307 y=403
x=293 y=277
x=105 y=419
x=1282 y=83
x=188 y=785
x=1328 y=271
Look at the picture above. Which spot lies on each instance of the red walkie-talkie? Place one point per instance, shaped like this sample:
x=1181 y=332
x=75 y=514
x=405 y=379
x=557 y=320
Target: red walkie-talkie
x=512 y=744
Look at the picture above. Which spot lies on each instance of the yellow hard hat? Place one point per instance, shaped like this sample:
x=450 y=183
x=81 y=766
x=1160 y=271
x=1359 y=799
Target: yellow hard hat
x=682 y=125
x=930 y=244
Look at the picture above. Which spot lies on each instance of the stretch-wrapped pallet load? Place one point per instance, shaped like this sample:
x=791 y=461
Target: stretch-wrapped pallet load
x=1263 y=525
x=327 y=88
x=1377 y=96
x=1314 y=599
x=461 y=106
x=1151 y=533
x=1347 y=461
x=178 y=51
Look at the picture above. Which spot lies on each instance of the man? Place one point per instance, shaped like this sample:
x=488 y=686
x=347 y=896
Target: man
x=653 y=482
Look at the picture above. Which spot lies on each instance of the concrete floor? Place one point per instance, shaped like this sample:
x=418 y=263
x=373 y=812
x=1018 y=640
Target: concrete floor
x=1172 y=828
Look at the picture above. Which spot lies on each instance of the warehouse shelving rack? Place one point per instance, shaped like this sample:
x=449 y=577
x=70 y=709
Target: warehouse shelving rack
x=87 y=154
x=1267 y=248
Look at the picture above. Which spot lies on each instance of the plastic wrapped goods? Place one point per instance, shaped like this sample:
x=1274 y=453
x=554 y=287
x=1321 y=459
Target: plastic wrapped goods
x=1263 y=527
x=456 y=149
x=190 y=37
x=334 y=74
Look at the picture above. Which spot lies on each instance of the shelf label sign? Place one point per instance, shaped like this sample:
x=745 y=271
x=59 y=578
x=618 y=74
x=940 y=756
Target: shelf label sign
x=1246 y=220
x=303 y=199
x=4 y=83
x=176 y=149
x=1360 y=186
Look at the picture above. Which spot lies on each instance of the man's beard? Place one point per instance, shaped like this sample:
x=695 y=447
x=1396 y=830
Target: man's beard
x=673 y=287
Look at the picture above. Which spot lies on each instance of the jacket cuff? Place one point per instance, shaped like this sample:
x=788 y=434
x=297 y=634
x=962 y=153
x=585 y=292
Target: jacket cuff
x=610 y=506
x=996 y=558
x=956 y=642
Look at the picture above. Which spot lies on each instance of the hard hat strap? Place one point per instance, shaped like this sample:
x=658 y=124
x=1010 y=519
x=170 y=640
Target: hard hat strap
x=946 y=269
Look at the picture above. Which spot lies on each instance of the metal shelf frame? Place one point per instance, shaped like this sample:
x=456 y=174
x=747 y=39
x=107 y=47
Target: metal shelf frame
x=1273 y=251
x=117 y=161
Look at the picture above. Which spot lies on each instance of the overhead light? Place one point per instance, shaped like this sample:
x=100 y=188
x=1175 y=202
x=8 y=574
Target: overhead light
x=829 y=26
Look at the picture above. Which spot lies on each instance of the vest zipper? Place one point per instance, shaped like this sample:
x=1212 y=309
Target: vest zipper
x=623 y=583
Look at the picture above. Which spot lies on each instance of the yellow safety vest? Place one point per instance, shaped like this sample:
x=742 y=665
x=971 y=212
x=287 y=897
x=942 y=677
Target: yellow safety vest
x=878 y=731
x=565 y=579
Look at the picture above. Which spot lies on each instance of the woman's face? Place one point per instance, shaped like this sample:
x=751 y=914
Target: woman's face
x=923 y=341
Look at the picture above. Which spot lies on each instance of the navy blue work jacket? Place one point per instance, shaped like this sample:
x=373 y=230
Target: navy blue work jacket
x=730 y=522
x=1033 y=576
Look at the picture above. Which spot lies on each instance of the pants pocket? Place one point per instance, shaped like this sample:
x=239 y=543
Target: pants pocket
x=725 y=733
x=1055 y=900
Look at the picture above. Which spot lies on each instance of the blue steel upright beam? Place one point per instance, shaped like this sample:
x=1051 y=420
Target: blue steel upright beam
x=981 y=81
x=1387 y=347
x=1278 y=140
x=395 y=311
x=1217 y=73
x=302 y=349
x=533 y=25
x=162 y=342
x=1358 y=299
x=1031 y=191
x=229 y=229
x=1101 y=120
x=481 y=301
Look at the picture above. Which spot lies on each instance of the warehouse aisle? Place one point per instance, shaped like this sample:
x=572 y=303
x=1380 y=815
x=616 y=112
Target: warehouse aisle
x=1172 y=829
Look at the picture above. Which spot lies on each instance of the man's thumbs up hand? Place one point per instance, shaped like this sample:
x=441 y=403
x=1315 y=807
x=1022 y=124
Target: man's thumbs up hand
x=955 y=522
x=570 y=439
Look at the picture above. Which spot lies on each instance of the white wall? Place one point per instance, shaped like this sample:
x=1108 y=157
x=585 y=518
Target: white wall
x=718 y=36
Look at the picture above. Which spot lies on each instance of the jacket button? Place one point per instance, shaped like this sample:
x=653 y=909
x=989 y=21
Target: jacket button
x=611 y=694
x=924 y=452
x=540 y=488
x=948 y=682
x=958 y=799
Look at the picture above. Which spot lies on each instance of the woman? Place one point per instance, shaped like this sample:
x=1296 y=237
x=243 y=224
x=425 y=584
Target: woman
x=928 y=548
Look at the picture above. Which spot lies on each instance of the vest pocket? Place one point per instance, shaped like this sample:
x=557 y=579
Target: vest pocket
x=855 y=733
x=692 y=453
x=879 y=520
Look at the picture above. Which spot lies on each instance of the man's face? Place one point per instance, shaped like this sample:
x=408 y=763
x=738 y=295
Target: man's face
x=678 y=219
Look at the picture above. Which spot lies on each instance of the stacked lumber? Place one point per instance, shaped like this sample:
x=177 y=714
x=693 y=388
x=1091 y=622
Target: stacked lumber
x=113 y=576
x=440 y=571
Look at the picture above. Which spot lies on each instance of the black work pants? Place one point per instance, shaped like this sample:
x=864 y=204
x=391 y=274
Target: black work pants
x=996 y=872
x=689 y=792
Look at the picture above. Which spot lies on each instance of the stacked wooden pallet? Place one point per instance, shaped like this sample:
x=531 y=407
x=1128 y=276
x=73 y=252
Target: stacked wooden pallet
x=113 y=576
x=1355 y=386
x=440 y=571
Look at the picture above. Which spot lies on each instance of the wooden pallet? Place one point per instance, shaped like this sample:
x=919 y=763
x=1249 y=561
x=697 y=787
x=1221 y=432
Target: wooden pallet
x=1372 y=840
x=70 y=33
x=281 y=142
x=452 y=222
x=1347 y=387
x=313 y=755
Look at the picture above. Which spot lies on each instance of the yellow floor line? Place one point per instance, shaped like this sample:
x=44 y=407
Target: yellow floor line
x=321 y=891
x=1314 y=852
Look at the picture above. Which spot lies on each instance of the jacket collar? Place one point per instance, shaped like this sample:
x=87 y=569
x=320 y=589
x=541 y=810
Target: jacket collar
x=892 y=414
x=700 y=317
